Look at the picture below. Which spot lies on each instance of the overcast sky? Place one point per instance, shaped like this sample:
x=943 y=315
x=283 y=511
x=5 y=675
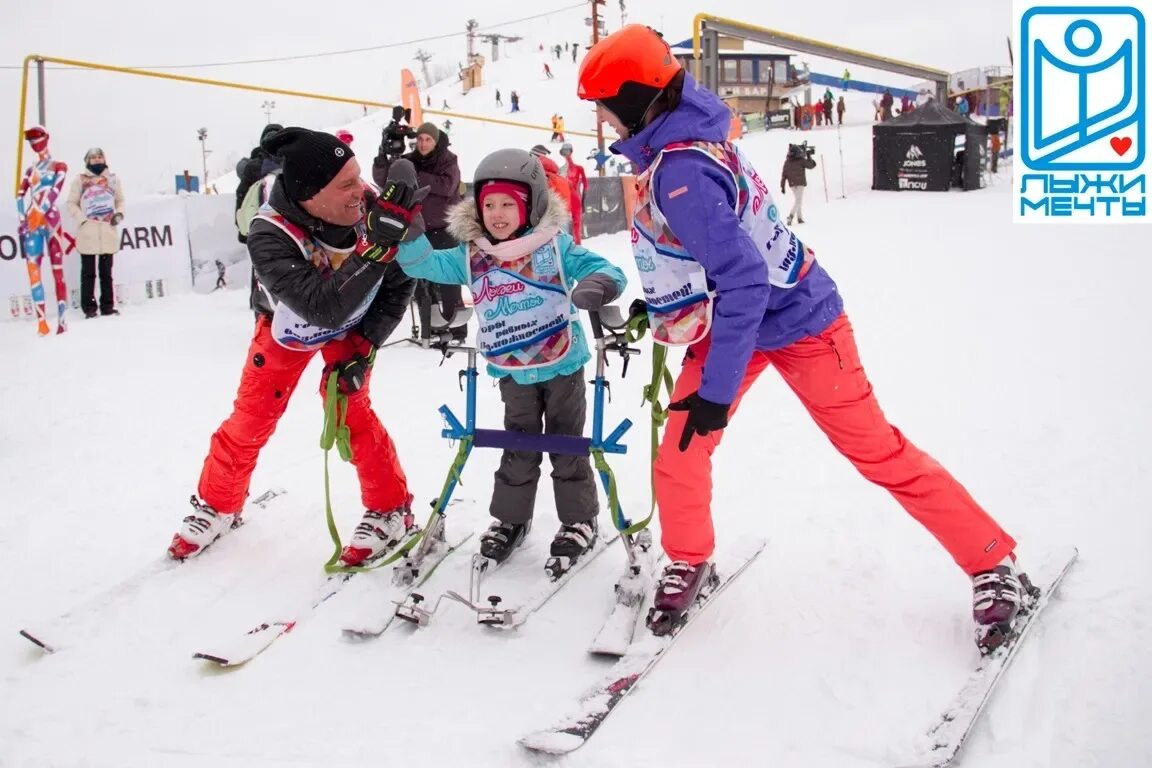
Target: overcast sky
x=148 y=128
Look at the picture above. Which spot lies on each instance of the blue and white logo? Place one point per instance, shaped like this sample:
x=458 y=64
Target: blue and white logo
x=544 y=261
x=1082 y=113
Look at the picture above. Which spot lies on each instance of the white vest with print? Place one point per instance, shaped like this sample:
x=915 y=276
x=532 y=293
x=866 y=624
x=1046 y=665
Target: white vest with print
x=98 y=197
x=288 y=328
x=675 y=285
x=523 y=306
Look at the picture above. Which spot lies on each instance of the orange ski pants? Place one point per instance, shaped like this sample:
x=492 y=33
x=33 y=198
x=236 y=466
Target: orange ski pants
x=825 y=373
x=270 y=375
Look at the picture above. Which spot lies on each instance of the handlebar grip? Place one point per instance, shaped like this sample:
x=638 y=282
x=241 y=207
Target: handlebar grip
x=597 y=326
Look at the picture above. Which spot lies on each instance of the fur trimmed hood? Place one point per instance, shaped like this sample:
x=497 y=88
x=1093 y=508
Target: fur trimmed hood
x=464 y=219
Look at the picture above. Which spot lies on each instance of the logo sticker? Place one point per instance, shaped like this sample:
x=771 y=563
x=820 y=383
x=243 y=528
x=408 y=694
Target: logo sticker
x=1081 y=122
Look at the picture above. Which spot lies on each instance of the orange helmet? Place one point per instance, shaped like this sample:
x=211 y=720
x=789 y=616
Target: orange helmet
x=635 y=53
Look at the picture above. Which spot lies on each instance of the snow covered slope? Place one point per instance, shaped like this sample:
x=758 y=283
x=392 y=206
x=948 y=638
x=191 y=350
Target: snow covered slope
x=989 y=345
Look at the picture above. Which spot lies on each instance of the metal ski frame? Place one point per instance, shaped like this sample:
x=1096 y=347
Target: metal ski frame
x=635 y=545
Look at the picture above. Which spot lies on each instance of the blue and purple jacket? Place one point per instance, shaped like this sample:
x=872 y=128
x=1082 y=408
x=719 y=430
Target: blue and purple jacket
x=748 y=313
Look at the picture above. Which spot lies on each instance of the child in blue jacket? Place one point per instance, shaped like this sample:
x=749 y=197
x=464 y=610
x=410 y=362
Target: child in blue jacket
x=525 y=275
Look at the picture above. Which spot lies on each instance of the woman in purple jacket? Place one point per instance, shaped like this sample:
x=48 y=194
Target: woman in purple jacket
x=725 y=277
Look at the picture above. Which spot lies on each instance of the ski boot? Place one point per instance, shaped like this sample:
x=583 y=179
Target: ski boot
x=377 y=533
x=998 y=597
x=569 y=545
x=501 y=539
x=200 y=530
x=679 y=587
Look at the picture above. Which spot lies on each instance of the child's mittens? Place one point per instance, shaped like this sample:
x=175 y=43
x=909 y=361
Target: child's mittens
x=594 y=291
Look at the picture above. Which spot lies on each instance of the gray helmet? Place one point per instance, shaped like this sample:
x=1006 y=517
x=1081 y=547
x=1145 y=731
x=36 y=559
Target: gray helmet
x=521 y=167
x=565 y=149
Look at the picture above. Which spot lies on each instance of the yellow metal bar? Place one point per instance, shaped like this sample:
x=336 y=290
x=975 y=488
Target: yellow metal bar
x=700 y=18
x=501 y=121
x=236 y=86
x=20 y=127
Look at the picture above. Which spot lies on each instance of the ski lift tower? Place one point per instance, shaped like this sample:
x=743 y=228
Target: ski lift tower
x=495 y=39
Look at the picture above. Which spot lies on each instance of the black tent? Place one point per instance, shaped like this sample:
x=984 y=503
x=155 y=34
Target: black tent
x=920 y=150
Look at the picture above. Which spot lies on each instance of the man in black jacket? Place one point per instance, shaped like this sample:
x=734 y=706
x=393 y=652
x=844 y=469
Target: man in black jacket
x=321 y=287
x=438 y=169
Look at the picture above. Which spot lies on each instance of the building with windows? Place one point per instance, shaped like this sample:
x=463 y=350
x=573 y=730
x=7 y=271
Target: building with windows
x=750 y=81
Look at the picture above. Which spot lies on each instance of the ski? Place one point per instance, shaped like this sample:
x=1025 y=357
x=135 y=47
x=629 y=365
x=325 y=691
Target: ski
x=52 y=635
x=406 y=580
x=243 y=648
x=638 y=581
x=513 y=617
x=946 y=738
x=598 y=702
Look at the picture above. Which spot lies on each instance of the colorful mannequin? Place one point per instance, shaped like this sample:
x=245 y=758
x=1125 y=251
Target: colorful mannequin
x=40 y=226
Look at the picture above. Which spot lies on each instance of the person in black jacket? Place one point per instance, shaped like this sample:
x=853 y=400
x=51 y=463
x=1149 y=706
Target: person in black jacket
x=438 y=169
x=795 y=171
x=256 y=166
x=321 y=287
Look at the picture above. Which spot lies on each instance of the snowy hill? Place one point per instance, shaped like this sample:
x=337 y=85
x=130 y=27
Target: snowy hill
x=522 y=70
x=836 y=649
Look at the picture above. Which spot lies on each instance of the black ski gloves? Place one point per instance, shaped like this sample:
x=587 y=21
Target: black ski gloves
x=351 y=374
x=704 y=416
x=395 y=216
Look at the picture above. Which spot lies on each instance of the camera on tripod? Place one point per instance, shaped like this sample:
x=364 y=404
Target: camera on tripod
x=801 y=151
x=397 y=132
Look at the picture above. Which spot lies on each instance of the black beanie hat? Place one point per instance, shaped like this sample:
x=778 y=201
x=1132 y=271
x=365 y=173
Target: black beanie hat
x=270 y=129
x=311 y=159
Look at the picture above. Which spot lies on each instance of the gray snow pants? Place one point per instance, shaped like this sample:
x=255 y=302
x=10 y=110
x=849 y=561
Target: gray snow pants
x=554 y=407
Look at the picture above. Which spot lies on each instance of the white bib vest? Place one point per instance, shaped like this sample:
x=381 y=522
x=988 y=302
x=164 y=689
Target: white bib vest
x=97 y=200
x=288 y=328
x=675 y=285
x=523 y=307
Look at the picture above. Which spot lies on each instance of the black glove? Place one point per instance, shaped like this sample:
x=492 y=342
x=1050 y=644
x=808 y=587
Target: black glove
x=117 y=218
x=351 y=374
x=388 y=219
x=704 y=416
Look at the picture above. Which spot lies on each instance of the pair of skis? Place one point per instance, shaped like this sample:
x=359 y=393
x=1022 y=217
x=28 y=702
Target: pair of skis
x=56 y=633
x=945 y=739
x=491 y=609
x=414 y=570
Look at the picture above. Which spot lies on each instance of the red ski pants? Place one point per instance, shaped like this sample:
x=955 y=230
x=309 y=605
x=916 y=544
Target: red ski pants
x=825 y=373
x=270 y=375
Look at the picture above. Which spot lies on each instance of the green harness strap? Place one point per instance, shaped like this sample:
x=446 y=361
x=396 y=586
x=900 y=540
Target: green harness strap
x=633 y=332
x=336 y=433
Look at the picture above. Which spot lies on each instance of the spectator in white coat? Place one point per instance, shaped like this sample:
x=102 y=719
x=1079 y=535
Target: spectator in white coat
x=96 y=203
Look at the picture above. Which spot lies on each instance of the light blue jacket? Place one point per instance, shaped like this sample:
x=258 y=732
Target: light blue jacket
x=450 y=265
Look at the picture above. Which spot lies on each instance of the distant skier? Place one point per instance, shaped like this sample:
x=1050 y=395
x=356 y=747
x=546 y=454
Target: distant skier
x=499 y=101
x=220 y=283
x=718 y=234
x=548 y=70
x=510 y=239
x=321 y=289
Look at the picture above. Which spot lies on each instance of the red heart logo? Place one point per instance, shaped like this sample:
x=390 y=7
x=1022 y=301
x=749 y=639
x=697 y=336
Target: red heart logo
x=1121 y=145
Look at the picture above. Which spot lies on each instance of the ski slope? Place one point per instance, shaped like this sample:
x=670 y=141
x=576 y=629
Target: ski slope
x=989 y=345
